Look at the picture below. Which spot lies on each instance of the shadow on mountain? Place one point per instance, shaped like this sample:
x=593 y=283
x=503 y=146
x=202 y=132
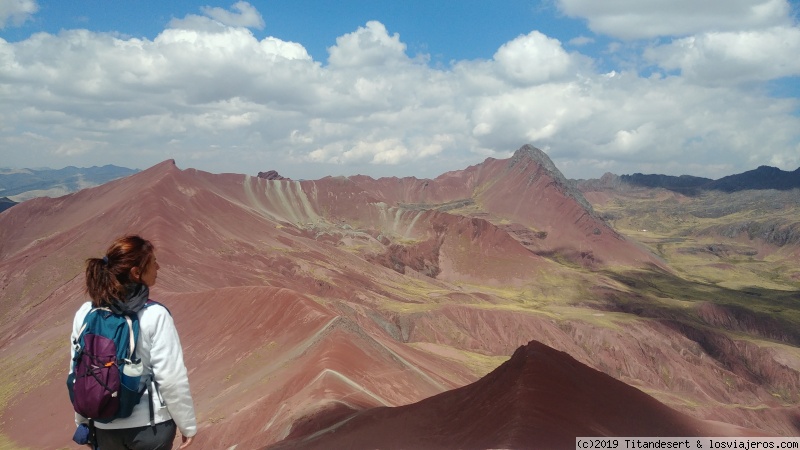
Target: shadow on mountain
x=6 y=203
x=310 y=310
x=757 y=311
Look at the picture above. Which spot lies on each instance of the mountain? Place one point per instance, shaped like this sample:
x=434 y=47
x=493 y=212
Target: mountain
x=302 y=304
x=6 y=203
x=685 y=184
x=29 y=183
x=753 y=215
x=540 y=398
x=526 y=197
x=764 y=177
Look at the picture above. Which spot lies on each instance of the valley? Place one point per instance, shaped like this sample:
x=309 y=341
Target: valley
x=307 y=305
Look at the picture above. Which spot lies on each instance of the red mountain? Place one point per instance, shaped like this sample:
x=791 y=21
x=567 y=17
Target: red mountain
x=526 y=196
x=297 y=300
x=540 y=398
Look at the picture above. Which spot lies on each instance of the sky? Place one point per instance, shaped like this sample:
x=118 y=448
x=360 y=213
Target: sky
x=401 y=88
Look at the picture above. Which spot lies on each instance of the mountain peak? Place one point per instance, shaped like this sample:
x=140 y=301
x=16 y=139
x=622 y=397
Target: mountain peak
x=540 y=398
x=168 y=164
x=529 y=153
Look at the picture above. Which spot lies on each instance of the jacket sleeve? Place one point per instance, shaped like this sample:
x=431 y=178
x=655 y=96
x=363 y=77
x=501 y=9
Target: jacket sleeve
x=169 y=371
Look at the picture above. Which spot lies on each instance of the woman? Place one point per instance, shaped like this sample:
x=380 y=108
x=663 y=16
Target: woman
x=120 y=280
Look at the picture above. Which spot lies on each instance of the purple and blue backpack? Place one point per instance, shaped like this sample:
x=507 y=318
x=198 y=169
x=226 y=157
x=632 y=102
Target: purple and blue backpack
x=106 y=374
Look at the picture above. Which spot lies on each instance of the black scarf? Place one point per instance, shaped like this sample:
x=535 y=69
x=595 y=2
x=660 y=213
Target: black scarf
x=137 y=296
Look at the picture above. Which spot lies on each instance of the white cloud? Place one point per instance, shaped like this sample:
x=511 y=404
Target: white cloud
x=368 y=46
x=534 y=58
x=77 y=146
x=220 y=99
x=580 y=41
x=219 y=19
x=16 y=12
x=637 y=19
x=733 y=56
x=246 y=15
x=634 y=141
x=390 y=151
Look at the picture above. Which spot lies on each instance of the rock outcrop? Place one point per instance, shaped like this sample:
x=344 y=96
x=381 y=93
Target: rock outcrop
x=271 y=175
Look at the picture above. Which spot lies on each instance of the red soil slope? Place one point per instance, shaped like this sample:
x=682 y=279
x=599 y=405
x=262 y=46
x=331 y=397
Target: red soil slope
x=540 y=398
x=299 y=303
x=530 y=198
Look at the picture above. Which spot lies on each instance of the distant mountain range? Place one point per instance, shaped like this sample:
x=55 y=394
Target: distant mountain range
x=6 y=203
x=497 y=306
x=764 y=177
x=23 y=184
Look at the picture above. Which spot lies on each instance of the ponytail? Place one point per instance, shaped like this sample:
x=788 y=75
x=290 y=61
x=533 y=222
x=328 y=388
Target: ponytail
x=107 y=278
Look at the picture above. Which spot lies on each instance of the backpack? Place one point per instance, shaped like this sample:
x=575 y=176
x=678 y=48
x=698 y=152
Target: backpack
x=106 y=374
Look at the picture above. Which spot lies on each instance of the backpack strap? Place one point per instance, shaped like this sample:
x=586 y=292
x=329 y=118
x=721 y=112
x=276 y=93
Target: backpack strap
x=131 y=341
x=131 y=336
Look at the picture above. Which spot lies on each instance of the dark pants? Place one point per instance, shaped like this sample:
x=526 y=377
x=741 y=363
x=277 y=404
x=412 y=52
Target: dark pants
x=159 y=437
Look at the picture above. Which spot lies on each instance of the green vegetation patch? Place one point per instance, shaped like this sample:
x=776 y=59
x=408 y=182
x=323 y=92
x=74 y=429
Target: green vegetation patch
x=477 y=363
x=719 y=238
x=8 y=444
x=756 y=313
x=24 y=371
x=604 y=319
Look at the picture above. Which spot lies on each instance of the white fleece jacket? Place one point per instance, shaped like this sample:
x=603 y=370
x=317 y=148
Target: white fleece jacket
x=160 y=351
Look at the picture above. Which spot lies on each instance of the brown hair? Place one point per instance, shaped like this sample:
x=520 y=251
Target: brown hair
x=107 y=277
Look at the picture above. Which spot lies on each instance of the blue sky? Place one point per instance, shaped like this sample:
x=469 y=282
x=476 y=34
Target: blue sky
x=447 y=30
x=412 y=88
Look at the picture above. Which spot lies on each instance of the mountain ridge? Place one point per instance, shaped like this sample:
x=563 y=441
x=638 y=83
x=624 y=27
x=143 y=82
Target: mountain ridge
x=21 y=185
x=333 y=295
x=761 y=178
x=554 y=399
x=543 y=200
x=18 y=185
x=6 y=203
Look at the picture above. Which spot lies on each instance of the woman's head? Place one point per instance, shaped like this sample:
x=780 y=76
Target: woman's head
x=129 y=260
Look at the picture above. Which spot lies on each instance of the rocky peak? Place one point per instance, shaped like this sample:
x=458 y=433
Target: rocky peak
x=607 y=181
x=271 y=175
x=529 y=153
